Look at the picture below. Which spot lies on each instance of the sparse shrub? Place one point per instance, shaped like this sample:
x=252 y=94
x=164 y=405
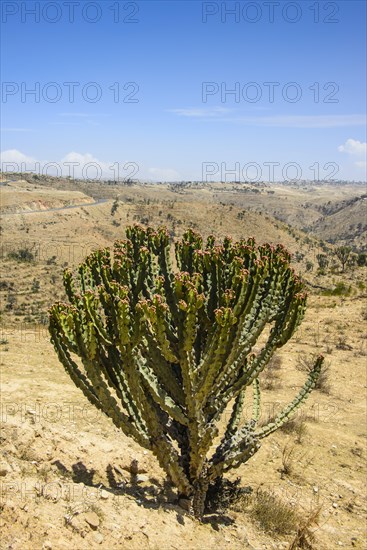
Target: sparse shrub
x=341 y=289
x=275 y=363
x=323 y=262
x=362 y=259
x=288 y=458
x=342 y=343
x=11 y=302
x=295 y=426
x=22 y=255
x=36 y=285
x=114 y=206
x=299 y=256
x=329 y=349
x=270 y=381
x=272 y=513
x=305 y=537
x=52 y=260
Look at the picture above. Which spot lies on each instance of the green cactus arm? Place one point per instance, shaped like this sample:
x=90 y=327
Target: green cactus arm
x=70 y=366
x=295 y=404
x=92 y=393
x=247 y=334
x=256 y=401
x=234 y=450
x=253 y=367
x=157 y=325
x=166 y=372
x=231 y=456
x=235 y=418
x=159 y=395
x=168 y=278
x=90 y=305
x=112 y=369
x=214 y=362
x=248 y=329
x=69 y=286
x=237 y=459
x=169 y=461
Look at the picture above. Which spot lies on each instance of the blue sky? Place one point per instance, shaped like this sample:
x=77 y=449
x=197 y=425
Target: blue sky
x=174 y=64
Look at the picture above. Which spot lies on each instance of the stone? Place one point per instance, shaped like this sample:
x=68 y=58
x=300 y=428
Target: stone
x=4 y=469
x=140 y=478
x=98 y=538
x=104 y=494
x=92 y=519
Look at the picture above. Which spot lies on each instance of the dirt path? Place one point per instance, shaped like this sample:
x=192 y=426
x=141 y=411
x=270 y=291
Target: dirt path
x=99 y=201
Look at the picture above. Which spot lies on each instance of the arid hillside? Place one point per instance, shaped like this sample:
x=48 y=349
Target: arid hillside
x=345 y=223
x=68 y=476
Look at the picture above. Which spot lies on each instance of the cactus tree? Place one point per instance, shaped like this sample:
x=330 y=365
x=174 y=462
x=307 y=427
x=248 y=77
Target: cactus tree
x=168 y=352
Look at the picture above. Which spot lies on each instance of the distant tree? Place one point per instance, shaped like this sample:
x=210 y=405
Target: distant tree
x=362 y=259
x=36 y=285
x=343 y=254
x=299 y=256
x=323 y=261
x=114 y=206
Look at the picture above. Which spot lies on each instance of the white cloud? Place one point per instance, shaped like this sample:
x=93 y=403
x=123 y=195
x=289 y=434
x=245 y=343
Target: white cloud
x=15 y=156
x=164 y=174
x=73 y=164
x=82 y=165
x=85 y=165
x=353 y=147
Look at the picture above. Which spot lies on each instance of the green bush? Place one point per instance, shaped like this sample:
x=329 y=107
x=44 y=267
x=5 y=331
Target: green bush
x=341 y=289
x=22 y=255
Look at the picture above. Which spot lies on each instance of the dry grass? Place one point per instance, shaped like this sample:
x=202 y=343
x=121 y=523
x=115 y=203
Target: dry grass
x=272 y=513
x=296 y=426
x=305 y=536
